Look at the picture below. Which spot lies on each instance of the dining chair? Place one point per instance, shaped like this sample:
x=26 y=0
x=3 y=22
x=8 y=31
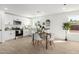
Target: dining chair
x=37 y=40
x=51 y=40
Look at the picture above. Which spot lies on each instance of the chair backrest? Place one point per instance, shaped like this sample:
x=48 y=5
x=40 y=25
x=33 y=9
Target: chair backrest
x=34 y=30
x=52 y=36
x=37 y=36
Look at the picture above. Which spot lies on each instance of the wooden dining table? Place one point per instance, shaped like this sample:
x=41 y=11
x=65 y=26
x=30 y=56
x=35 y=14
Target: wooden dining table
x=45 y=34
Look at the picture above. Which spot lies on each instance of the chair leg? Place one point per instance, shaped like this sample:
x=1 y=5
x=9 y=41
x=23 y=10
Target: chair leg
x=50 y=42
x=34 y=43
x=38 y=42
x=53 y=44
x=42 y=44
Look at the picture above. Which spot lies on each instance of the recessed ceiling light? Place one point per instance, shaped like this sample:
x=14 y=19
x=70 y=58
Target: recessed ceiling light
x=5 y=8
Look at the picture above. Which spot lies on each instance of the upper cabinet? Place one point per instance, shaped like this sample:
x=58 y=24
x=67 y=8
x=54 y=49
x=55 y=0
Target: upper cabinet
x=8 y=19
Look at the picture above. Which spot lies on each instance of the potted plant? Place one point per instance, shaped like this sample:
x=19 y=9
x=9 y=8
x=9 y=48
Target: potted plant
x=66 y=27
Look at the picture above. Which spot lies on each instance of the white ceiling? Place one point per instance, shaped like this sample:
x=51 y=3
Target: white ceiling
x=31 y=10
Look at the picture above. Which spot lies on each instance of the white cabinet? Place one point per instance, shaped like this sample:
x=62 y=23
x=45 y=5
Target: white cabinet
x=9 y=35
x=12 y=34
x=0 y=28
x=8 y=19
x=0 y=36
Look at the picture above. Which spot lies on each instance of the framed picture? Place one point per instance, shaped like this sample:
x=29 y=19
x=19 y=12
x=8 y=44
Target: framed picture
x=47 y=24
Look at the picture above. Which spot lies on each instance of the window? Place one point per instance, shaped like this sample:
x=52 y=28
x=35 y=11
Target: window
x=74 y=20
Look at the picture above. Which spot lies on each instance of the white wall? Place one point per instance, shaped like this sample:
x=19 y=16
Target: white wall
x=57 y=21
x=2 y=25
x=0 y=29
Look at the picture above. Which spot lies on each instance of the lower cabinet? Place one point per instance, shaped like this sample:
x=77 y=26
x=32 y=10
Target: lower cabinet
x=0 y=36
x=9 y=35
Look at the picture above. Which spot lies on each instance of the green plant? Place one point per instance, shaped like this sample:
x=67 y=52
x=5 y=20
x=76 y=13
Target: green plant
x=66 y=26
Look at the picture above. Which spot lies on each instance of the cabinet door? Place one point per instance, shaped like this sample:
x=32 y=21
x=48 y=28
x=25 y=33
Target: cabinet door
x=0 y=29
x=12 y=34
x=9 y=19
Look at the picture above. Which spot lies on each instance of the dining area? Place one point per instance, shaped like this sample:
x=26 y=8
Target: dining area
x=41 y=35
x=44 y=39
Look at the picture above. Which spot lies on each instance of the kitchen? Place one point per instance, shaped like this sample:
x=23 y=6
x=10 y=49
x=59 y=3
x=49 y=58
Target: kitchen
x=13 y=26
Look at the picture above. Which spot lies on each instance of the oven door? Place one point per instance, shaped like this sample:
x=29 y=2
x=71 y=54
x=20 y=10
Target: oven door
x=19 y=32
